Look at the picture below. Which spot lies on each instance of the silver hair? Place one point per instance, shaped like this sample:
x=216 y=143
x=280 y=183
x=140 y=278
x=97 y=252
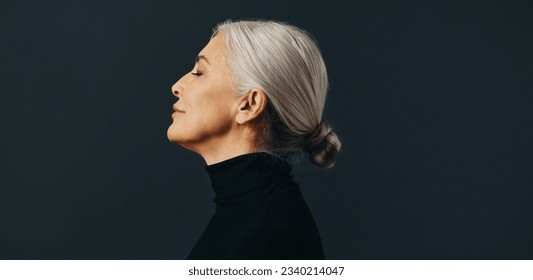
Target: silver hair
x=285 y=62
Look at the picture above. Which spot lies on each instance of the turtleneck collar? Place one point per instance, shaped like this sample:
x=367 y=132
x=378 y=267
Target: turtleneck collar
x=245 y=172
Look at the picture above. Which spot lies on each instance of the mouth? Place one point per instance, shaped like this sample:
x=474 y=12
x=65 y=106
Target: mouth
x=176 y=109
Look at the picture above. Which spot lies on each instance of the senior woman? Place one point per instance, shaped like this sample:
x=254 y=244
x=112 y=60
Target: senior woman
x=251 y=107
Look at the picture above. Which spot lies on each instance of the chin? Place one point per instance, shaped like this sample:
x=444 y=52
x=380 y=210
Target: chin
x=172 y=135
x=176 y=135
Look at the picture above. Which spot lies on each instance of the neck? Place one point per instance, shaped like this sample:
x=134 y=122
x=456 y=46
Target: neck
x=225 y=153
x=247 y=172
x=227 y=147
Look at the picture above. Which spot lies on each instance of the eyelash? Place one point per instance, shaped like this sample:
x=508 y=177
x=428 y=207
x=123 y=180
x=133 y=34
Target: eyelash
x=198 y=73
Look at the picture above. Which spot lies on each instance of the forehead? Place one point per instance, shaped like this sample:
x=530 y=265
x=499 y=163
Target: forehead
x=215 y=50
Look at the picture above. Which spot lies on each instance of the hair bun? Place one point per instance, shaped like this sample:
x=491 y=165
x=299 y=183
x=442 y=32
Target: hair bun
x=323 y=146
x=315 y=139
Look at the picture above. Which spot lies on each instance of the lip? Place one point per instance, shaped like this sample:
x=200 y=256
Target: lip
x=176 y=109
x=176 y=113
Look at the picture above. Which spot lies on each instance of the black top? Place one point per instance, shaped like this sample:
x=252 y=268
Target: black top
x=259 y=213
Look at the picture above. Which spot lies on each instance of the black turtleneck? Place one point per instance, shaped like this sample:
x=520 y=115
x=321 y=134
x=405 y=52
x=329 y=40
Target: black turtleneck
x=259 y=213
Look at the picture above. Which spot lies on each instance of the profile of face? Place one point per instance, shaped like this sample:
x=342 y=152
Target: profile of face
x=208 y=110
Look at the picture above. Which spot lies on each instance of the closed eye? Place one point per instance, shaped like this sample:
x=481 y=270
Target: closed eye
x=198 y=73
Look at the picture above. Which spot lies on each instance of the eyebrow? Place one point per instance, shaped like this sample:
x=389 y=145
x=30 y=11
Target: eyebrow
x=202 y=57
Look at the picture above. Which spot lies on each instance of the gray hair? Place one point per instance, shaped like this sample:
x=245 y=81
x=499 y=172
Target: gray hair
x=286 y=63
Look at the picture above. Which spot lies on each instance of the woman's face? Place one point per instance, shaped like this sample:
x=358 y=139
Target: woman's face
x=207 y=101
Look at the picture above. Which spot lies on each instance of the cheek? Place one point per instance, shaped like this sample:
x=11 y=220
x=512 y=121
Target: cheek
x=207 y=112
x=212 y=106
x=211 y=116
x=204 y=119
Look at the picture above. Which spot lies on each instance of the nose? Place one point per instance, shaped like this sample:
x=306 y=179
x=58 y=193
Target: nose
x=176 y=90
x=178 y=86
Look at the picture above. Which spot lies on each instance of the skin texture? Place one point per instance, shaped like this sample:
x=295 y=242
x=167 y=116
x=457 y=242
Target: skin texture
x=215 y=122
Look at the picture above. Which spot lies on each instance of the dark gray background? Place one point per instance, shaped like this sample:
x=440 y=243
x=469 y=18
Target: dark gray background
x=432 y=100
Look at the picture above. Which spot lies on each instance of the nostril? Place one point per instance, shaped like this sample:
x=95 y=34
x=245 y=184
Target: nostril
x=176 y=90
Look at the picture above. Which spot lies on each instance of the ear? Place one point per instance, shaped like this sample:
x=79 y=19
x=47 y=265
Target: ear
x=251 y=105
